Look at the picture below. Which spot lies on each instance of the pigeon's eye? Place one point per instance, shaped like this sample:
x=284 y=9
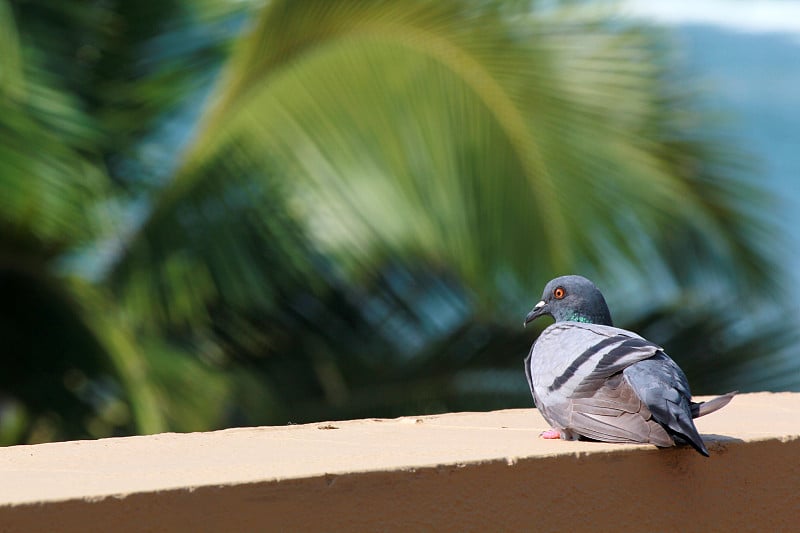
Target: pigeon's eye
x=559 y=293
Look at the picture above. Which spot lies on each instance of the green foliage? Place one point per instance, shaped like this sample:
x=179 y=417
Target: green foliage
x=355 y=219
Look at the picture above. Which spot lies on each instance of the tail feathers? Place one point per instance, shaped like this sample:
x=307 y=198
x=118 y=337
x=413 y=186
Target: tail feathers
x=696 y=442
x=704 y=408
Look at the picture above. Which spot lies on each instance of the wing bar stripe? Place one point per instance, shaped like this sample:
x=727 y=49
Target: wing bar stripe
x=582 y=359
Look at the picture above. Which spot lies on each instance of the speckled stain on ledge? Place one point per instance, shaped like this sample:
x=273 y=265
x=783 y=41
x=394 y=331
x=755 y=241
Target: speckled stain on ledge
x=455 y=471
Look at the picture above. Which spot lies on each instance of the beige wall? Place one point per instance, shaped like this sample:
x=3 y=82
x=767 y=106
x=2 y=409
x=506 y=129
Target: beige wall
x=461 y=471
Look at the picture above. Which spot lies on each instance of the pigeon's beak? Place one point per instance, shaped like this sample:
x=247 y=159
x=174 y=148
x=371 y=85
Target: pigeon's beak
x=537 y=311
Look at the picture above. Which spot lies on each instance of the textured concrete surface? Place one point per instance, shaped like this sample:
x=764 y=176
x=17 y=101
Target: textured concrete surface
x=459 y=471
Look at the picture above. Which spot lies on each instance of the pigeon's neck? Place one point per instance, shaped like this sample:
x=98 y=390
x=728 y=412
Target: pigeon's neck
x=575 y=317
x=603 y=319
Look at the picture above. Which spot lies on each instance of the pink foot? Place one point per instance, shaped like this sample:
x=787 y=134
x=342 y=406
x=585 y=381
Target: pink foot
x=550 y=434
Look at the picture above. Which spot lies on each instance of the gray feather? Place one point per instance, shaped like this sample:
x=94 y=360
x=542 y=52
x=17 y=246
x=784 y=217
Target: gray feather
x=588 y=394
x=663 y=386
x=615 y=414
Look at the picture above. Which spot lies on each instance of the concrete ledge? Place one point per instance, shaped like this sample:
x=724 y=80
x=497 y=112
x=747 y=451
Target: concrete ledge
x=460 y=471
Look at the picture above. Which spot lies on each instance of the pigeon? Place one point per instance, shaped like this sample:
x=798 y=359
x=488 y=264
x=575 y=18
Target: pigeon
x=591 y=380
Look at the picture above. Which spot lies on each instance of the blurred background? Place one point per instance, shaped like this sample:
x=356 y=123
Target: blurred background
x=218 y=213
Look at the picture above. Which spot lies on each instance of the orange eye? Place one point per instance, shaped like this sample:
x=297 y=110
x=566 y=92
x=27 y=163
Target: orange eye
x=559 y=293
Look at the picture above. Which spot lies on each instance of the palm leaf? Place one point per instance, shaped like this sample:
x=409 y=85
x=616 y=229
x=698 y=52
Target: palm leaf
x=11 y=76
x=506 y=145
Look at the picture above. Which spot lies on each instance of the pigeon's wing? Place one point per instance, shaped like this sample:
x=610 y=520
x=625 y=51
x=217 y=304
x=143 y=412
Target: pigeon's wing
x=663 y=387
x=612 y=385
x=571 y=362
x=649 y=401
x=614 y=413
x=572 y=358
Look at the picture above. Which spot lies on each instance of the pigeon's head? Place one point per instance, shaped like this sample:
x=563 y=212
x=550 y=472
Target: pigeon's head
x=572 y=298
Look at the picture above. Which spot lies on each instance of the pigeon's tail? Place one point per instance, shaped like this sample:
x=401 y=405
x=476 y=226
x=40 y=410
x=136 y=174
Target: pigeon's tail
x=704 y=408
